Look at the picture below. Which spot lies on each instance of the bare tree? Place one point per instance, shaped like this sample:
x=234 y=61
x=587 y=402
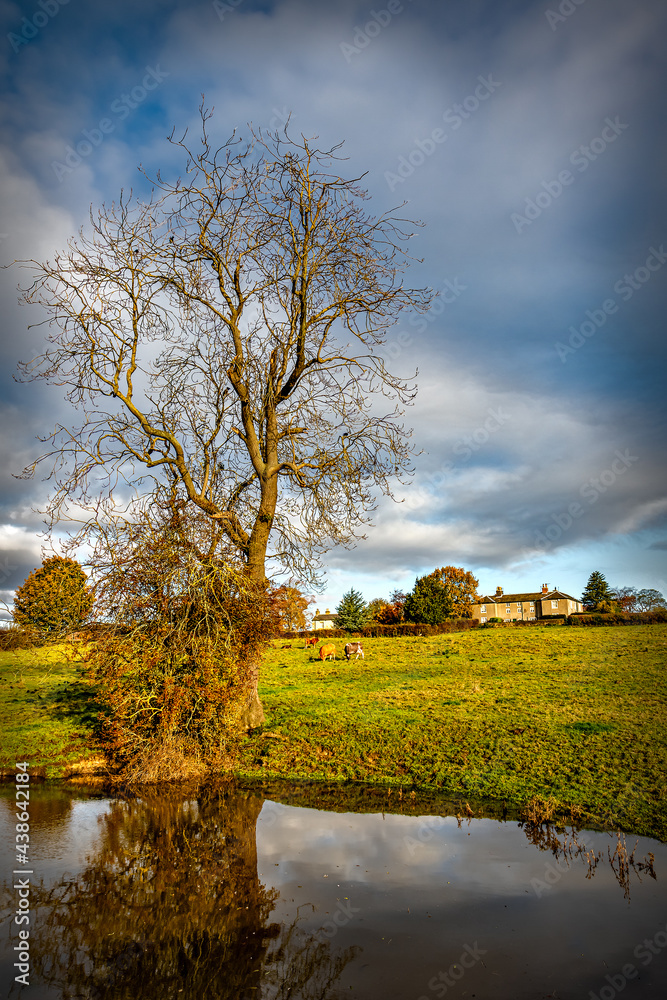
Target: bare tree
x=222 y=340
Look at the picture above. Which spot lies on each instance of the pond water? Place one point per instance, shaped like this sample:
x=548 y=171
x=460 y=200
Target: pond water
x=228 y=892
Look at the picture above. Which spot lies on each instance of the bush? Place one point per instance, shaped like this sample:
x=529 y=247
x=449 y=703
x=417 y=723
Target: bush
x=376 y=631
x=175 y=669
x=621 y=618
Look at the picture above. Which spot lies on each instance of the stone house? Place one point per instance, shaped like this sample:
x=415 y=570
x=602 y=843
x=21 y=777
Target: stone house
x=326 y=620
x=526 y=607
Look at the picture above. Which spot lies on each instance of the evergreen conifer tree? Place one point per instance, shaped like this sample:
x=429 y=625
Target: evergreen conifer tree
x=596 y=592
x=54 y=598
x=352 y=613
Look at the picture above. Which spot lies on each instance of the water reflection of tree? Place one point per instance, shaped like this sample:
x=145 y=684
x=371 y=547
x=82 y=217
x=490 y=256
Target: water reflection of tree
x=171 y=906
x=566 y=846
x=47 y=808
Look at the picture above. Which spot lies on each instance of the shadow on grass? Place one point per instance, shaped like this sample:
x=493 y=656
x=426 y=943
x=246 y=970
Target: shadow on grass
x=589 y=727
x=77 y=702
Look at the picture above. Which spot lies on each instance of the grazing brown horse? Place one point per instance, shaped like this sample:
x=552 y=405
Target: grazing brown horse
x=328 y=650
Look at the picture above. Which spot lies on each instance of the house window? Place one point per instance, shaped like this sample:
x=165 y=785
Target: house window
x=554 y=604
x=519 y=606
x=508 y=608
x=532 y=606
x=483 y=609
x=483 y=618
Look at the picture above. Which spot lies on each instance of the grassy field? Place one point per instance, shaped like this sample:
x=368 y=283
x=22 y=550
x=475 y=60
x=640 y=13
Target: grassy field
x=574 y=715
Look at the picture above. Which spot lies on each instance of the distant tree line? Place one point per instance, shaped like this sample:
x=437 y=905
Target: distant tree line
x=56 y=599
x=447 y=593
x=599 y=596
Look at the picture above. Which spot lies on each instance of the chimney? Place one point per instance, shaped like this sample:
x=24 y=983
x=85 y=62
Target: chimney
x=499 y=591
x=545 y=588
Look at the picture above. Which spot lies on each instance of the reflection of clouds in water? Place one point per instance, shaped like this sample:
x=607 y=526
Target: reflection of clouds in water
x=421 y=889
x=62 y=830
x=487 y=857
x=344 y=839
x=359 y=846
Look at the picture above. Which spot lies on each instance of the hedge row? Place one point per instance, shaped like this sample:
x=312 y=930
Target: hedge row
x=388 y=631
x=17 y=638
x=589 y=618
x=463 y=624
x=627 y=618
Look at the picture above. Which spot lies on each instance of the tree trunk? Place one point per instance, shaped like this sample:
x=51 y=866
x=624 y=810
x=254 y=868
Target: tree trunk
x=253 y=714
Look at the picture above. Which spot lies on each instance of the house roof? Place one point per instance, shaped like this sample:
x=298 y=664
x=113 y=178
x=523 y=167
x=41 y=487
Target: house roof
x=506 y=598
x=325 y=618
x=534 y=596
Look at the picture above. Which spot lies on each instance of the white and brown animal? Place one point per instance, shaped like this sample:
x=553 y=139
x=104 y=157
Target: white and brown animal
x=328 y=650
x=354 y=647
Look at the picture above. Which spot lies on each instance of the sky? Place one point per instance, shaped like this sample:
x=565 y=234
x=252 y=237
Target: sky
x=529 y=139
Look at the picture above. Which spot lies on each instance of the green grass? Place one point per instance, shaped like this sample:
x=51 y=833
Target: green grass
x=47 y=711
x=572 y=715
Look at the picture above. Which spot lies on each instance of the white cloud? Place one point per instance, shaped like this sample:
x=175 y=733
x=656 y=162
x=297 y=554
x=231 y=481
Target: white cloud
x=643 y=516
